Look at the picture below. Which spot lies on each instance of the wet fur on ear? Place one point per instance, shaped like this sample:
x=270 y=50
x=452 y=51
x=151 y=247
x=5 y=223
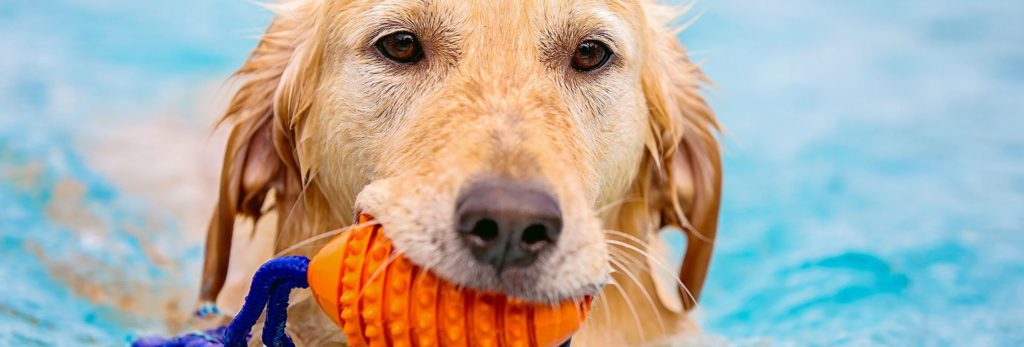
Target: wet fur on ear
x=260 y=172
x=680 y=177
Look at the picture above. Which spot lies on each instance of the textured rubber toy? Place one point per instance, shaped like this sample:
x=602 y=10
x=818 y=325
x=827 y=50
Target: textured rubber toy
x=380 y=299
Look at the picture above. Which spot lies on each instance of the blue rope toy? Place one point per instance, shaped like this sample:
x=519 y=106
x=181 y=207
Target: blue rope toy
x=271 y=285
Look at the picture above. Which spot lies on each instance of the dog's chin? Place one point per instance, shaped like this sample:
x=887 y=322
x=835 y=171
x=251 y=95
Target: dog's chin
x=538 y=283
x=523 y=284
x=578 y=270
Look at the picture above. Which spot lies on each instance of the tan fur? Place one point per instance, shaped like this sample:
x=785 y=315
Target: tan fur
x=328 y=128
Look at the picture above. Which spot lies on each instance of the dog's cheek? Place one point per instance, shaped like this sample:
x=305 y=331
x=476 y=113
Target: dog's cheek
x=359 y=109
x=335 y=146
x=623 y=144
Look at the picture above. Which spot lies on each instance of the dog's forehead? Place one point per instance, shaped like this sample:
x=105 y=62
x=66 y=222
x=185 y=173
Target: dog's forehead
x=498 y=20
x=487 y=9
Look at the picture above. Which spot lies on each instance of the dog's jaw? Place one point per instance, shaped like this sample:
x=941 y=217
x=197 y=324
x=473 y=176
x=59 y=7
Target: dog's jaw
x=418 y=218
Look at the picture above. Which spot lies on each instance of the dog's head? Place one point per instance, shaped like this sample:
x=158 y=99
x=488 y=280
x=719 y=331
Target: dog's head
x=496 y=141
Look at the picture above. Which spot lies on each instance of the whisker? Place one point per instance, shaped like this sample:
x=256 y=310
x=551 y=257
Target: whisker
x=322 y=236
x=639 y=243
x=660 y=264
x=632 y=308
x=626 y=235
x=686 y=226
x=648 y=252
x=662 y=267
x=607 y=311
x=657 y=262
x=616 y=203
x=380 y=269
x=643 y=290
x=634 y=239
x=427 y=267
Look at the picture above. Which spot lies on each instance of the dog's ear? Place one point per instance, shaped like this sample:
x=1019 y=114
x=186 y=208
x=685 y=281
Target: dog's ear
x=260 y=170
x=683 y=162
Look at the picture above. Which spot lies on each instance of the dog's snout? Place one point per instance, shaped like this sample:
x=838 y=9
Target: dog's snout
x=507 y=223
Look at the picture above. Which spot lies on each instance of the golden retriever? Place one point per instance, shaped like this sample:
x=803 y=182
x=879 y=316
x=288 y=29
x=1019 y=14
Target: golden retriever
x=532 y=147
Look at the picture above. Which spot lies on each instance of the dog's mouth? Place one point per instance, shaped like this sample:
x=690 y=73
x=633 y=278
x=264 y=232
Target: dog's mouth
x=532 y=259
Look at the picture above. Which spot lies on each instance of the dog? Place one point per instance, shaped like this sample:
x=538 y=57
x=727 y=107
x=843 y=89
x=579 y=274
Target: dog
x=533 y=147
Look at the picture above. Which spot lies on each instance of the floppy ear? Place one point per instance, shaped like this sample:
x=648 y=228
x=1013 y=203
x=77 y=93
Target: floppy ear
x=683 y=162
x=260 y=173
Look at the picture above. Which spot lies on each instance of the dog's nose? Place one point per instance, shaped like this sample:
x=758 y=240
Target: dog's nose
x=507 y=223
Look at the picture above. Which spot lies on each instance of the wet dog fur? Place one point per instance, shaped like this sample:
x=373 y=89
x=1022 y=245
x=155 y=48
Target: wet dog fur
x=324 y=128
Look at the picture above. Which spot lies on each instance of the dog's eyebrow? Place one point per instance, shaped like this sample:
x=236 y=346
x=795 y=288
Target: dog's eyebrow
x=608 y=27
x=425 y=18
x=392 y=15
x=581 y=24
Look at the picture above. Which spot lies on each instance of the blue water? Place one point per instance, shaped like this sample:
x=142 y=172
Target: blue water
x=874 y=189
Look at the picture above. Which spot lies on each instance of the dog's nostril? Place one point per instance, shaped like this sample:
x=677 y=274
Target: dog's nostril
x=535 y=236
x=486 y=229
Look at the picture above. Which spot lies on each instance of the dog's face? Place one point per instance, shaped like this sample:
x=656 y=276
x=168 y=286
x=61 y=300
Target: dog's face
x=473 y=122
x=496 y=141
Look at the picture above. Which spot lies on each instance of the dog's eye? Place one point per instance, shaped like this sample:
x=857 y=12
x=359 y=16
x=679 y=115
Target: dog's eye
x=402 y=47
x=590 y=55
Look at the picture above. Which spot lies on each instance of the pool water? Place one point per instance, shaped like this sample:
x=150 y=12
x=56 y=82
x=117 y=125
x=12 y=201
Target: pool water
x=874 y=183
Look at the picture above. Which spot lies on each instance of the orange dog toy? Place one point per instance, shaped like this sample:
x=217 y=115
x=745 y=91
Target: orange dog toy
x=380 y=299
